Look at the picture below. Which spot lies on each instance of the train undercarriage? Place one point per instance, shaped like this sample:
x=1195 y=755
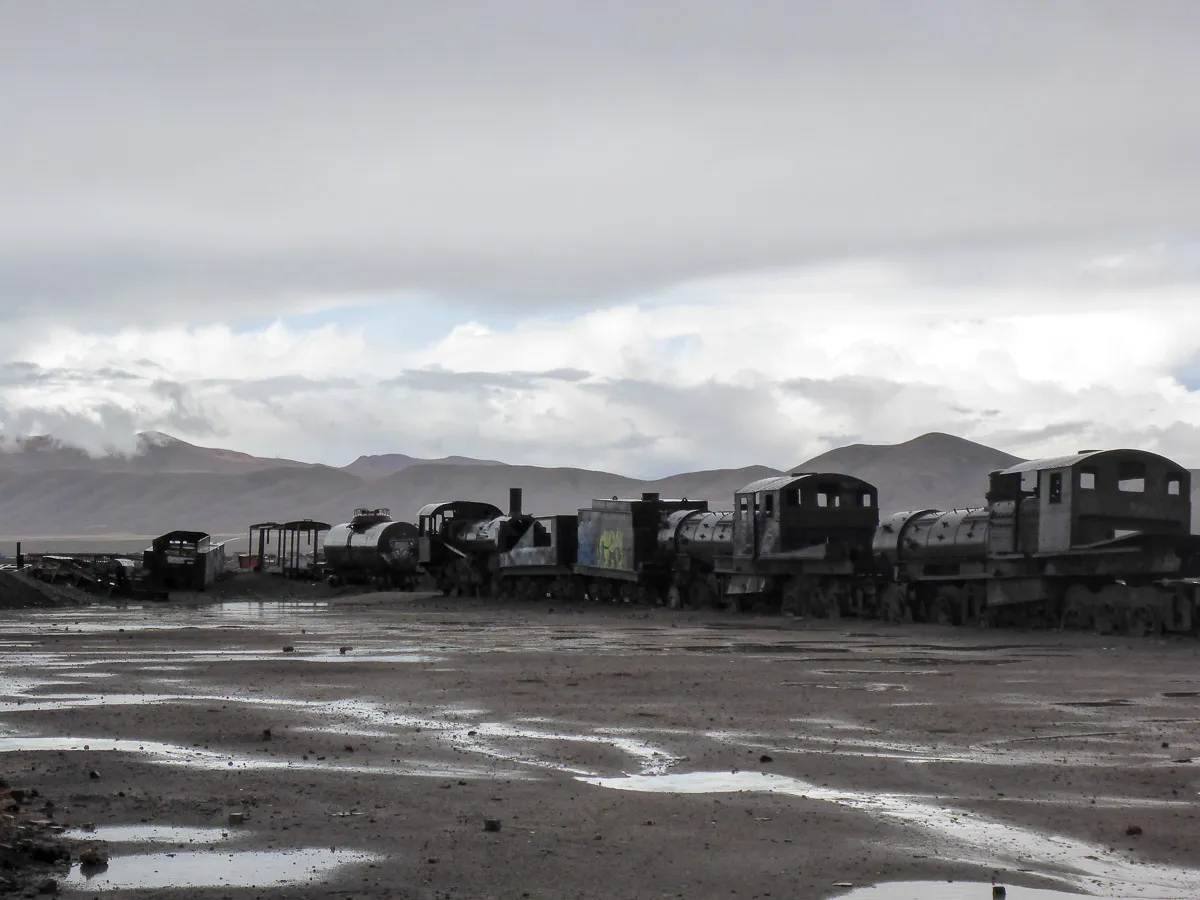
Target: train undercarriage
x=1103 y=605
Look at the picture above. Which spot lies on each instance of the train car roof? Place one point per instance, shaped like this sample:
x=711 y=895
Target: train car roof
x=475 y=506
x=1066 y=462
x=783 y=482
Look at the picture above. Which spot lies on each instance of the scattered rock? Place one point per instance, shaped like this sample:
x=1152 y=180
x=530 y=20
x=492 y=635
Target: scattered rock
x=266 y=735
x=344 y=650
x=491 y=824
x=1133 y=830
x=93 y=857
x=94 y=775
x=289 y=649
x=766 y=759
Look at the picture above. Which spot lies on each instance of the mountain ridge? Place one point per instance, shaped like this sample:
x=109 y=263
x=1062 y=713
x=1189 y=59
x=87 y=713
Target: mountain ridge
x=172 y=484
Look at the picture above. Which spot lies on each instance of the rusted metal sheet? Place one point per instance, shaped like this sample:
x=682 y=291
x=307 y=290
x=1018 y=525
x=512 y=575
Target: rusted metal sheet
x=548 y=546
x=607 y=541
x=621 y=538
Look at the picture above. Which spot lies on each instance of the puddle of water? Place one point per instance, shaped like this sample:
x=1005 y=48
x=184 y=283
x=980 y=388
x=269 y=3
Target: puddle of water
x=884 y=671
x=196 y=758
x=992 y=753
x=150 y=834
x=253 y=868
x=1087 y=704
x=343 y=717
x=874 y=687
x=482 y=738
x=983 y=840
x=942 y=890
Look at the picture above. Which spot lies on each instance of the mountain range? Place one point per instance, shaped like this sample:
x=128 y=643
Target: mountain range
x=58 y=497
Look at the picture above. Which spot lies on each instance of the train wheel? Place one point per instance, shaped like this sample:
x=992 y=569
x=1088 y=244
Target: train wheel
x=648 y=596
x=1107 y=618
x=575 y=589
x=831 y=600
x=792 y=603
x=1144 y=621
x=1077 y=608
x=947 y=606
x=701 y=594
x=892 y=605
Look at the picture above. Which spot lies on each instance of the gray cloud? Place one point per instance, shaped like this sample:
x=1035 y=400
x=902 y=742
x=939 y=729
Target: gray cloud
x=185 y=412
x=443 y=380
x=105 y=428
x=563 y=417
x=540 y=152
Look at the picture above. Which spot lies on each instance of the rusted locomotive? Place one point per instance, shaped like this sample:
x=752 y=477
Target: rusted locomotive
x=462 y=543
x=1100 y=539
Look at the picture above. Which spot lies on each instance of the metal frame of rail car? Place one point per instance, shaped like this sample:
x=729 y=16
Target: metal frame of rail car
x=291 y=558
x=1098 y=539
x=619 y=555
x=802 y=543
x=256 y=557
x=541 y=561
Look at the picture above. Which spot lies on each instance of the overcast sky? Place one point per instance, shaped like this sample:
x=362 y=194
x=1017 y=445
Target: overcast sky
x=642 y=235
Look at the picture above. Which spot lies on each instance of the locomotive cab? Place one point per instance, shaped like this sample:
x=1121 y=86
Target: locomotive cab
x=1092 y=498
x=795 y=516
x=446 y=529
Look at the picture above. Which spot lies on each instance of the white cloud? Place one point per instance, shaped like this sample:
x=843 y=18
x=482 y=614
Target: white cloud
x=731 y=372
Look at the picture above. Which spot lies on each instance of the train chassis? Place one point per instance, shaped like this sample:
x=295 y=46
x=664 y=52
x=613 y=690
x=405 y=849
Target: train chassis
x=1104 y=605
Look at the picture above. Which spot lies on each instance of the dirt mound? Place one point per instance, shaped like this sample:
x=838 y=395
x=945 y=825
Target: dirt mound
x=18 y=591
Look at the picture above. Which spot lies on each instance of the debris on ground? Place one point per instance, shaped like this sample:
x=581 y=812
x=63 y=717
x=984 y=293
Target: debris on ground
x=34 y=857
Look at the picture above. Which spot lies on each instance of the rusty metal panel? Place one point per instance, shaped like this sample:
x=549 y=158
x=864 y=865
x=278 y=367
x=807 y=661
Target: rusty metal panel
x=549 y=542
x=887 y=544
x=1002 y=535
x=1055 y=508
x=607 y=540
x=1027 y=525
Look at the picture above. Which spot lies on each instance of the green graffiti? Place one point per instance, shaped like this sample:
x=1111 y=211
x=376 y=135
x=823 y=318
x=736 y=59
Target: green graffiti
x=611 y=550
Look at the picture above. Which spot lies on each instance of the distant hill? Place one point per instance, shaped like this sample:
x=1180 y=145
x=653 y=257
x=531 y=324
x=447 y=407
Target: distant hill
x=933 y=470
x=154 y=452
x=79 y=503
x=50 y=491
x=372 y=467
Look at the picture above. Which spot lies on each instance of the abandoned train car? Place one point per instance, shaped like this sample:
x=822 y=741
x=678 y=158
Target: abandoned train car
x=184 y=560
x=372 y=548
x=1100 y=539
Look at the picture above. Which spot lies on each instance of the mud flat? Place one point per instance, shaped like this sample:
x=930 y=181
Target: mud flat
x=393 y=745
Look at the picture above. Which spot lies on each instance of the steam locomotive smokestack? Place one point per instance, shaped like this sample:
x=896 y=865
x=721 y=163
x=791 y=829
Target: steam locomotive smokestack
x=650 y=496
x=514 y=502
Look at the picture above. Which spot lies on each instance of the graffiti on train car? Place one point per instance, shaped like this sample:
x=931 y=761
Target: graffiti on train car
x=610 y=550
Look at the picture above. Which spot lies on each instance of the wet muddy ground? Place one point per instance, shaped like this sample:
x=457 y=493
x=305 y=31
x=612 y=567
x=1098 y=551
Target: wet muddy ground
x=407 y=746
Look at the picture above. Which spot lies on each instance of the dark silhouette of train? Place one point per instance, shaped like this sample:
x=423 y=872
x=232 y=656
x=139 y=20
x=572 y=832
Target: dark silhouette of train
x=1101 y=539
